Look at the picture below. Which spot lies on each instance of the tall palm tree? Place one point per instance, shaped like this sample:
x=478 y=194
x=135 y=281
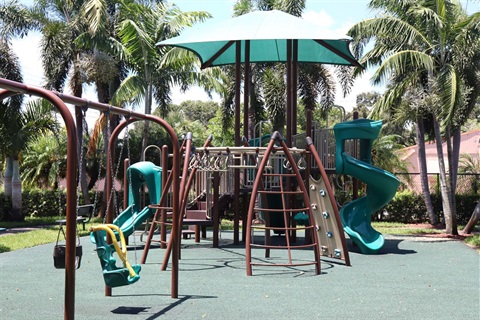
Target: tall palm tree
x=14 y=21
x=141 y=26
x=61 y=22
x=17 y=130
x=421 y=46
x=9 y=69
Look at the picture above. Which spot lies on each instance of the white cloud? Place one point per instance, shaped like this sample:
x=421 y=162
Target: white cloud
x=320 y=18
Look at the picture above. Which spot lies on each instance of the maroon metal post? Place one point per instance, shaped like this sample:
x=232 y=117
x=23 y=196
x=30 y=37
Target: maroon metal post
x=246 y=89
x=126 y=164
x=163 y=226
x=294 y=84
x=13 y=88
x=289 y=93
x=236 y=187
x=216 y=209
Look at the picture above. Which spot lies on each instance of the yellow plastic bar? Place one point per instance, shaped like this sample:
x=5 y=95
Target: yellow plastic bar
x=121 y=251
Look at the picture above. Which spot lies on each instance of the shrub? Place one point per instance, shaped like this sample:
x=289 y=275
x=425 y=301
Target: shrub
x=5 y=206
x=409 y=207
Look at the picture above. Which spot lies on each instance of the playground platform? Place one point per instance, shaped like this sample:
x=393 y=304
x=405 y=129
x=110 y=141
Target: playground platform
x=410 y=278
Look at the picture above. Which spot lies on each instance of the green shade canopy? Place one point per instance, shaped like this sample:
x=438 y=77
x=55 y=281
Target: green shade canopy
x=268 y=32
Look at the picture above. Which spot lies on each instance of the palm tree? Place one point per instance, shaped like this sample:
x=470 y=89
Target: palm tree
x=10 y=69
x=421 y=46
x=18 y=129
x=14 y=22
x=140 y=27
x=42 y=159
x=61 y=22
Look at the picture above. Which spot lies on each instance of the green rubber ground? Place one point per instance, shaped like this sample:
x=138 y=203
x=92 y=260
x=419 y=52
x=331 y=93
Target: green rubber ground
x=409 y=279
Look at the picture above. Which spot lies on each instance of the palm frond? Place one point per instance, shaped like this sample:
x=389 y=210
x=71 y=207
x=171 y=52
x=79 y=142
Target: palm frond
x=403 y=62
x=131 y=90
x=95 y=11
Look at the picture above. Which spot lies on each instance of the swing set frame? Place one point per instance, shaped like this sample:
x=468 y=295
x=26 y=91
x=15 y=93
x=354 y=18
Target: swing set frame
x=9 y=88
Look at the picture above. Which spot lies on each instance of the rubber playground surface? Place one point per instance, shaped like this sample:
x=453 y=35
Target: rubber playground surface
x=411 y=278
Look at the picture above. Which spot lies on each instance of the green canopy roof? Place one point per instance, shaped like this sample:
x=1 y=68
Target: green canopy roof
x=268 y=32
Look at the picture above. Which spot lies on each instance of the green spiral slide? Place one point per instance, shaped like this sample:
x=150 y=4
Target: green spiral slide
x=381 y=184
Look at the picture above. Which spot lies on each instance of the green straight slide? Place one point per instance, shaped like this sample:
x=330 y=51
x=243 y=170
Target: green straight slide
x=381 y=184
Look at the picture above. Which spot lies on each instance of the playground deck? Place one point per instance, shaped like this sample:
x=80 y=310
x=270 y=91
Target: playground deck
x=411 y=278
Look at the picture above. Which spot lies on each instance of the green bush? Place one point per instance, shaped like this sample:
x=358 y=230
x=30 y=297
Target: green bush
x=405 y=207
x=5 y=206
x=47 y=203
x=409 y=207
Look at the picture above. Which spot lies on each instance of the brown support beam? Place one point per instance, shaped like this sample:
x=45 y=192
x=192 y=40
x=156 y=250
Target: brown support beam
x=294 y=86
x=289 y=93
x=246 y=89
x=14 y=88
x=236 y=190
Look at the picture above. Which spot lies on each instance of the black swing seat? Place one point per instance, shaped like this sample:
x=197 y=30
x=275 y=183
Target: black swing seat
x=84 y=215
x=113 y=275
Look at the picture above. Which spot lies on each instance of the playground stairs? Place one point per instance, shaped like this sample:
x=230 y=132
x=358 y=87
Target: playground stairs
x=198 y=218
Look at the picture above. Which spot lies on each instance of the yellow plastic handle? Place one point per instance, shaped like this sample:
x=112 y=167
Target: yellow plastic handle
x=121 y=251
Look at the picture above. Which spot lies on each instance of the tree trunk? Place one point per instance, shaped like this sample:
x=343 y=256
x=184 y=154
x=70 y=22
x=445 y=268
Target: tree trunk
x=77 y=90
x=450 y=219
x=452 y=174
x=457 y=140
x=146 y=124
x=81 y=155
x=472 y=222
x=422 y=162
x=7 y=177
x=16 y=192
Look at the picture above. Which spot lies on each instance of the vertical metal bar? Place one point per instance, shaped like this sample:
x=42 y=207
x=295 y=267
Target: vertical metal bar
x=163 y=214
x=246 y=90
x=236 y=191
x=289 y=93
x=294 y=84
x=126 y=164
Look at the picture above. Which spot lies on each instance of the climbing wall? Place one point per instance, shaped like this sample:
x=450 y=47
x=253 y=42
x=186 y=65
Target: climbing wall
x=325 y=214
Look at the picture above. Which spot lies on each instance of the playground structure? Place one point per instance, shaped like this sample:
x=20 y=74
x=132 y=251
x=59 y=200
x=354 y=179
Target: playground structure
x=271 y=175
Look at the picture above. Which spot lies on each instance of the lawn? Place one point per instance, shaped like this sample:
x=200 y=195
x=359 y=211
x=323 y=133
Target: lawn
x=41 y=231
x=44 y=230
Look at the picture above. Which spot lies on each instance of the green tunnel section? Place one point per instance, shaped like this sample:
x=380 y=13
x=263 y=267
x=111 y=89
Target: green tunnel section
x=381 y=184
x=139 y=174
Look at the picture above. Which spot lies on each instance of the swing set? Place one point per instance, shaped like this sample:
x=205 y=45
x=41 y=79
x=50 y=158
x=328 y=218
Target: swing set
x=10 y=88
